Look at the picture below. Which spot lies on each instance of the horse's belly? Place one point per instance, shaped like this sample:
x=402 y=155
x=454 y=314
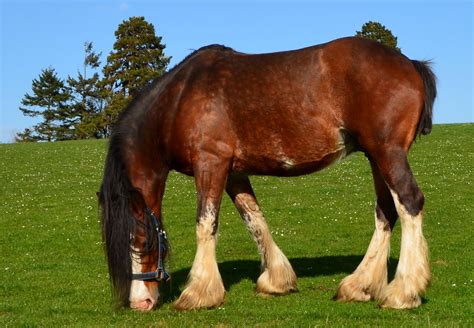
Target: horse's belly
x=284 y=164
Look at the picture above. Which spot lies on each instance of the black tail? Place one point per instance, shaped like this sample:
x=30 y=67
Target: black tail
x=116 y=198
x=429 y=80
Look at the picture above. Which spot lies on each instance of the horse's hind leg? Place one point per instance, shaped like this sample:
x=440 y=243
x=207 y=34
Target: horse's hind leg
x=278 y=276
x=205 y=288
x=370 y=277
x=413 y=273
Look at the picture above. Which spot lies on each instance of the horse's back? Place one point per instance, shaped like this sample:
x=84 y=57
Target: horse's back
x=291 y=112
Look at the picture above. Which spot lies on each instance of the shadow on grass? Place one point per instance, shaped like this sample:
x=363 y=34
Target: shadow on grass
x=233 y=272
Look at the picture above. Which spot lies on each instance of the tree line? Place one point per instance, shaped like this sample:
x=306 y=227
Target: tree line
x=87 y=105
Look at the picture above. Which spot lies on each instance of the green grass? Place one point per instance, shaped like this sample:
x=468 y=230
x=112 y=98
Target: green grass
x=53 y=270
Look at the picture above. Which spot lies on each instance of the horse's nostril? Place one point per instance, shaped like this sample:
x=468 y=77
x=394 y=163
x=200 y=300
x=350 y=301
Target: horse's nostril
x=145 y=305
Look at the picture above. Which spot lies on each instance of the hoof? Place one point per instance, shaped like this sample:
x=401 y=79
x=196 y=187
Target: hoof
x=396 y=297
x=400 y=302
x=361 y=287
x=350 y=290
x=200 y=298
x=278 y=282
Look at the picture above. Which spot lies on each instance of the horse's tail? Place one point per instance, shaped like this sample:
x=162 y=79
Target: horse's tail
x=429 y=80
x=117 y=198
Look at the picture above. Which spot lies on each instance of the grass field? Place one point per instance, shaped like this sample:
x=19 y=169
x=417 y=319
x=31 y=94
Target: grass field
x=53 y=270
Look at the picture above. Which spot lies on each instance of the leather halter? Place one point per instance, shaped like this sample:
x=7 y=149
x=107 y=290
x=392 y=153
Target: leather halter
x=160 y=274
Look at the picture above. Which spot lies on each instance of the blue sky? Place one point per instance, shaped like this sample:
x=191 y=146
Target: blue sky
x=39 y=34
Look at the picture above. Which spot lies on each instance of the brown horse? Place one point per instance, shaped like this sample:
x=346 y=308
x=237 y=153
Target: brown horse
x=221 y=116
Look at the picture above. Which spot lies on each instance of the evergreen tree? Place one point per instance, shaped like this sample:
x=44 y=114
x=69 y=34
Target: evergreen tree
x=378 y=32
x=49 y=101
x=137 y=58
x=87 y=102
x=87 y=106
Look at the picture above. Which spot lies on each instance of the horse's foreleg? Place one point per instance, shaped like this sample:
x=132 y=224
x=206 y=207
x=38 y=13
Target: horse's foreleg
x=205 y=288
x=370 y=277
x=277 y=275
x=413 y=273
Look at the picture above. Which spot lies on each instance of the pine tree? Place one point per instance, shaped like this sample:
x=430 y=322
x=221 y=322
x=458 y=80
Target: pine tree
x=49 y=101
x=378 y=32
x=87 y=103
x=138 y=57
x=87 y=106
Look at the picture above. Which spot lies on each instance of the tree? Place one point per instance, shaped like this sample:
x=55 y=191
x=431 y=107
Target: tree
x=88 y=106
x=378 y=32
x=87 y=97
x=49 y=101
x=137 y=58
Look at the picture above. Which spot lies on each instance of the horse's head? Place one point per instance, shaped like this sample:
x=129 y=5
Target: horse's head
x=136 y=246
x=148 y=249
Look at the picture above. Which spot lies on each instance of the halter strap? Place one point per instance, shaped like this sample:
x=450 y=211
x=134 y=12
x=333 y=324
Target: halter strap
x=160 y=274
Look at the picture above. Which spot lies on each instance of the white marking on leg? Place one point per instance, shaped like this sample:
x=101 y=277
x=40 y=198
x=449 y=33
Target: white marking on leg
x=370 y=277
x=278 y=276
x=205 y=259
x=413 y=274
x=205 y=287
